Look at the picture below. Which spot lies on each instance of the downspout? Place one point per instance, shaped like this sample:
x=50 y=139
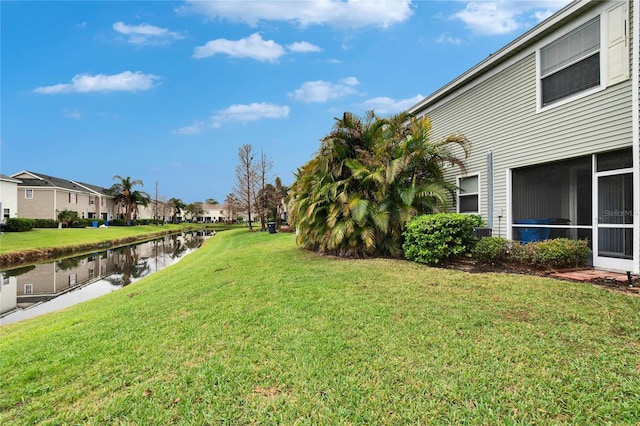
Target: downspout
x=490 y=211
x=635 y=120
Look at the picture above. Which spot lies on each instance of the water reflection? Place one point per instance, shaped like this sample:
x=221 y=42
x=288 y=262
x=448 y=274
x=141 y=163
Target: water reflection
x=33 y=290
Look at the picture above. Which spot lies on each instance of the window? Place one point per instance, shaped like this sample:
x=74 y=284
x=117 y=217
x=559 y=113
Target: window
x=28 y=289
x=92 y=200
x=28 y=194
x=6 y=213
x=468 y=195
x=73 y=198
x=571 y=64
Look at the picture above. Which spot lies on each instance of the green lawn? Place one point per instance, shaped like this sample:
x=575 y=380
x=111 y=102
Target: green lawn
x=251 y=330
x=42 y=238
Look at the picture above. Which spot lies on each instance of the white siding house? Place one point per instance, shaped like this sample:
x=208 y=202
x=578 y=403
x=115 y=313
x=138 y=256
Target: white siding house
x=553 y=121
x=8 y=197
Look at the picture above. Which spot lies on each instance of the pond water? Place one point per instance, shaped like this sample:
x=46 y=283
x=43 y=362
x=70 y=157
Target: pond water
x=29 y=291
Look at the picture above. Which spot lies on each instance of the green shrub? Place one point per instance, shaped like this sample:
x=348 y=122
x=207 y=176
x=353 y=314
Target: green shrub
x=433 y=238
x=477 y=220
x=68 y=218
x=20 y=224
x=560 y=253
x=556 y=253
x=117 y=222
x=46 y=223
x=521 y=253
x=492 y=249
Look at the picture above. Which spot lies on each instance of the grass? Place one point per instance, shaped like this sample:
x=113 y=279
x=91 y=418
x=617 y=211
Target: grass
x=251 y=330
x=43 y=238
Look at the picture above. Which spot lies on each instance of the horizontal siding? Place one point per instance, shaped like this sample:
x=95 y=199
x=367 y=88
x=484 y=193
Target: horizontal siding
x=500 y=114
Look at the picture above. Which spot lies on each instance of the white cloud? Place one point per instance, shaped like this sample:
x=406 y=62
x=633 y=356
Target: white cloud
x=339 y=13
x=83 y=83
x=447 y=38
x=505 y=16
x=71 y=113
x=253 y=47
x=196 y=127
x=303 y=47
x=145 y=33
x=251 y=112
x=322 y=91
x=384 y=105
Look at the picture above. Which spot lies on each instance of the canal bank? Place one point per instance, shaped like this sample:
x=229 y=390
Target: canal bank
x=33 y=290
x=90 y=242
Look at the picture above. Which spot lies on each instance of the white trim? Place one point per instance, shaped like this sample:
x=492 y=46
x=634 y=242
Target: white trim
x=509 y=215
x=477 y=193
x=24 y=172
x=505 y=57
x=635 y=134
x=608 y=262
x=603 y=62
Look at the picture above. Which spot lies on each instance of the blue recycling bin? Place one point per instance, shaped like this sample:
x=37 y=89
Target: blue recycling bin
x=529 y=235
x=95 y=223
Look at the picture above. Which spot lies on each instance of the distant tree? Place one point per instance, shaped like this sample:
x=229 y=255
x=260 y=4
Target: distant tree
x=211 y=201
x=139 y=199
x=67 y=217
x=231 y=205
x=281 y=195
x=263 y=168
x=126 y=197
x=268 y=201
x=246 y=180
x=163 y=208
x=177 y=205
x=194 y=210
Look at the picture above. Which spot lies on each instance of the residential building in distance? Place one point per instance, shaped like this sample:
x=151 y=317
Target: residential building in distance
x=43 y=197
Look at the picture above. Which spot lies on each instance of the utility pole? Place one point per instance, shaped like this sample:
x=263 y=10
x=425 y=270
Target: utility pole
x=155 y=212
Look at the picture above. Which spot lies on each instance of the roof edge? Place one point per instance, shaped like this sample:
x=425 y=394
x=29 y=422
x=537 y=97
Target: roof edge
x=503 y=54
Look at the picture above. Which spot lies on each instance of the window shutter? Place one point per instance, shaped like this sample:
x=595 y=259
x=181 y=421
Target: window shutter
x=69 y=198
x=617 y=46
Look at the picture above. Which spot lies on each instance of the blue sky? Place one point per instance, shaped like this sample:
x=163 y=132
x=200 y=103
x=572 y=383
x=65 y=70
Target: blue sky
x=168 y=91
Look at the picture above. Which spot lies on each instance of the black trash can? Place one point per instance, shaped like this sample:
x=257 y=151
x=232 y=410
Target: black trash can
x=272 y=227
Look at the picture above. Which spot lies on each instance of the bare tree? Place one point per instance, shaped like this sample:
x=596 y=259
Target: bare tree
x=263 y=168
x=246 y=179
x=164 y=208
x=231 y=205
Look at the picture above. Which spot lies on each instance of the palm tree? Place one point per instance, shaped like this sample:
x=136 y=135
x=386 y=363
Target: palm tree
x=177 y=205
x=370 y=177
x=194 y=210
x=126 y=197
x=281 y=194
x=139 y=198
